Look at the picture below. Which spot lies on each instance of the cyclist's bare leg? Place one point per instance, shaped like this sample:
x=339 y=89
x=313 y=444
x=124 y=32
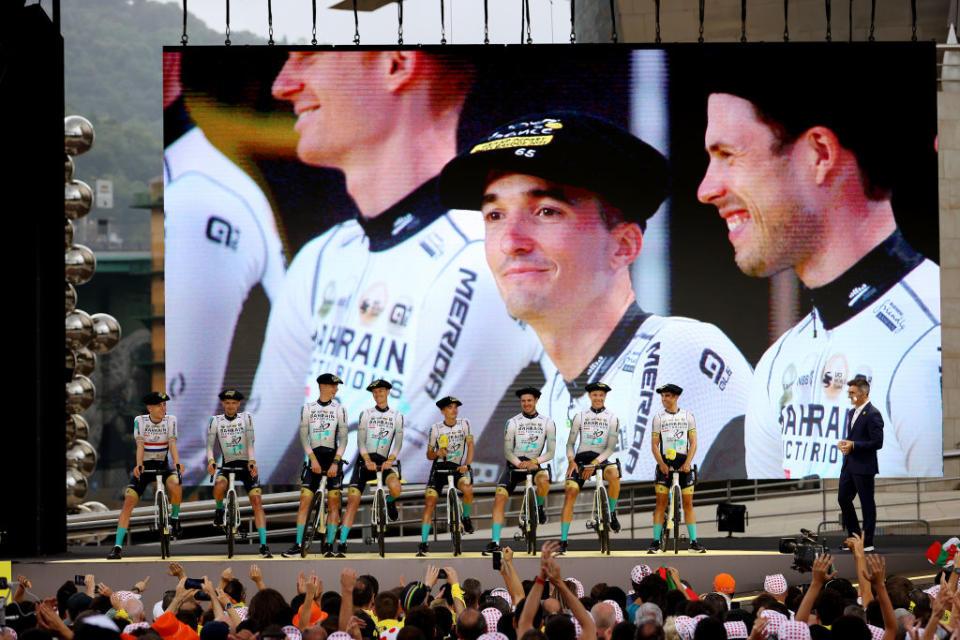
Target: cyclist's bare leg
x=661 y=509
x=543 y=484
x=256 y=503
x=333 y=507
x=174 y=490
x=353 y=503
x=570 y=493
x=467 y=488
x=393 y=485
x=130 y=501
x=499 y=505
x=429 y=504
x=220 y=488
x=306 y=497
x=613 y=481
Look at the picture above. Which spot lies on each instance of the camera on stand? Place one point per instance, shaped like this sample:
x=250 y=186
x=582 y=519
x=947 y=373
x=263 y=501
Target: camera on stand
x=805 y=549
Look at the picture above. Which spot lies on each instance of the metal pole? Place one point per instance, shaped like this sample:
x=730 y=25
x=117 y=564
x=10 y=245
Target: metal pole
x=918 y=498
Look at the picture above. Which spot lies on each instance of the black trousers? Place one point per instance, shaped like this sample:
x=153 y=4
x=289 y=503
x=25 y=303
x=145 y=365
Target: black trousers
x=852 y=485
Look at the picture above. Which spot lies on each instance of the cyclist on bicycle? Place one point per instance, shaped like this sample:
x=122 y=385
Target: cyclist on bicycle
x=598 y=429
x=379 y=429
x=450 y=446
x=233 y=429
x=155 y=433
x=529 y=440
x=674 y=443
x=323 y=436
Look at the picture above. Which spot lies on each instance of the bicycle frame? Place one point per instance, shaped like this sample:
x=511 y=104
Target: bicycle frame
x=161 y=517
x=601 y=507
x=672 y=516
x=528 y=511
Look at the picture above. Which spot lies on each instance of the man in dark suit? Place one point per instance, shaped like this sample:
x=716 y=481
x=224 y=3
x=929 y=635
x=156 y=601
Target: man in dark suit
x=863 y=437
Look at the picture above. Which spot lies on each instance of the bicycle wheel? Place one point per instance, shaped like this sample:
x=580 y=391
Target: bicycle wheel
x=381 y=526
x=676 y=521
x=532 y=521
x=453 y=518
x=231 y=522
x=313 y=521
x=603 y=521
x=163 y=524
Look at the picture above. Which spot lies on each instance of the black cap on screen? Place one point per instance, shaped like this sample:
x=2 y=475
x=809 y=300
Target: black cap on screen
x=670 y=388
x=231 y=394
x=533 y=391
x=571 y=149
x=598 y=386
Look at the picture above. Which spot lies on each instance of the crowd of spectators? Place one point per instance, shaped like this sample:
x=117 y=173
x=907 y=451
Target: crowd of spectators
x=657 y=604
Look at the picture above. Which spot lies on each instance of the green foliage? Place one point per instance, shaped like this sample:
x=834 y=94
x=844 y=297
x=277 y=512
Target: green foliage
x=113 y=68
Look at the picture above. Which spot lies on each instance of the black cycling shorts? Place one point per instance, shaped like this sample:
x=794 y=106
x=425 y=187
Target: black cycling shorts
x=438 y=481
x=687 y=479
x=240 y=472
x=146 y=479
x=583 y=459
x=512 y=476
x=325 y=457
x=361 y=475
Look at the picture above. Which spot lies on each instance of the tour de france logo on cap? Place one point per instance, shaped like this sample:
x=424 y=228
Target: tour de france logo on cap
x=536 y=133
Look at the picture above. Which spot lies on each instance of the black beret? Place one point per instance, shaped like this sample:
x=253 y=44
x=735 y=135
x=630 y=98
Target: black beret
x=569 y=148
x=231 y=394
x=533 y=391
x=598 y=386
x=155 y=397
x=670 y=388
x=442 y=402
x=379 y=384
x=328 y=378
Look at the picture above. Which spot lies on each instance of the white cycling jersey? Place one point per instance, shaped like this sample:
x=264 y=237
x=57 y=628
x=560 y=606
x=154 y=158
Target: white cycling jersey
x=643 y=352
x=378 y=430
x=531 y=437
x=457 y=436
x=880 y=319
x=674 y=429
x=323 y=425
x=156 y=436
x=407 y=297
x=220 y=241
x=235 y=435
x=598 y=433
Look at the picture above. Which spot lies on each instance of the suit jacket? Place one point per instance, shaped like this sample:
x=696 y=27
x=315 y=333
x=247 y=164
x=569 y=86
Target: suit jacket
x=867 y=436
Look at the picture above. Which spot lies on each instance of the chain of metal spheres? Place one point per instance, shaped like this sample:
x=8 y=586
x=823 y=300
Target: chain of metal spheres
x=86 y=335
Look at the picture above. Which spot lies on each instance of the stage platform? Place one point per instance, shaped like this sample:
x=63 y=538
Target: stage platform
x=747 y=559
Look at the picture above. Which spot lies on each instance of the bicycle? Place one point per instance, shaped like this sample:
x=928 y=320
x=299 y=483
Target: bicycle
x=671 y=521
x=231 y=516
x=600 y=515
x=454 y=509
x=528 y=512
x=378 y=512
x=317 y=515
x=161 y=518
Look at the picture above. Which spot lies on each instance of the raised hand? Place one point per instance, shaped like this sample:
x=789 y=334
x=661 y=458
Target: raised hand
x=821 y=568
x=142 y=585
x=507 y=554
x=301 y=583
x=876 y=570
x=176 y=570
x=452 y=576
x=348 y=579
x=430 y=577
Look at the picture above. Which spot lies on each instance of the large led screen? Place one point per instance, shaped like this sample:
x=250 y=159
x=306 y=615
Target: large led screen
x=773 y=237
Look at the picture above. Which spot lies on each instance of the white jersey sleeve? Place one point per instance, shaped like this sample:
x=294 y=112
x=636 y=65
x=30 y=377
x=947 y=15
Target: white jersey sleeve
x=220 y=240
